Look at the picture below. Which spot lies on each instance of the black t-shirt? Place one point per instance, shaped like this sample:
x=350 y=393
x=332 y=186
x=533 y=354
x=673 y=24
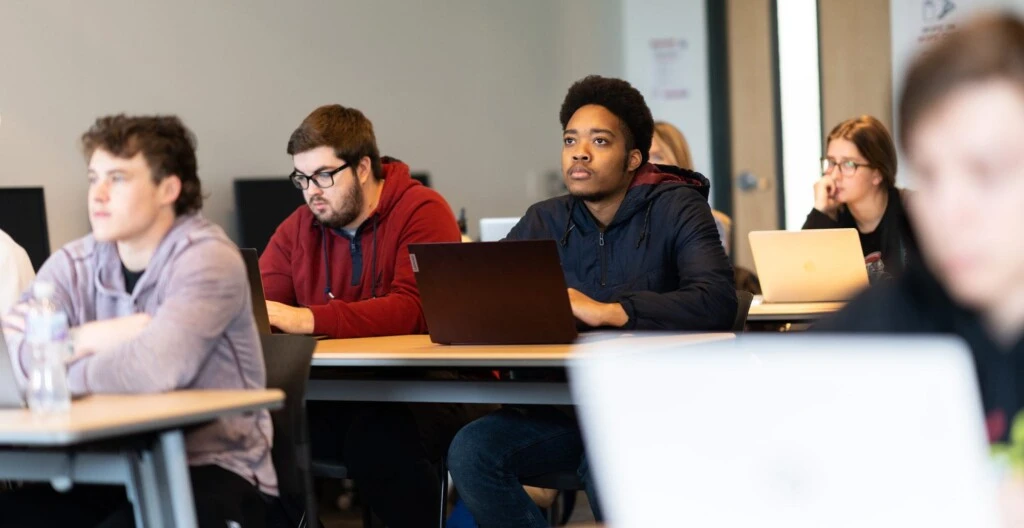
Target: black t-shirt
x=871 y=242
x=131 y=278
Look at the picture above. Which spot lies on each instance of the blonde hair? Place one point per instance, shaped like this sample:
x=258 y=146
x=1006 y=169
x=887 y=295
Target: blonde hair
x=674 y=139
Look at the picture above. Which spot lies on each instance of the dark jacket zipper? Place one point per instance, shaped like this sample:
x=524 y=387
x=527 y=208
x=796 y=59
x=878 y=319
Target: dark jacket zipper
x=600 y=242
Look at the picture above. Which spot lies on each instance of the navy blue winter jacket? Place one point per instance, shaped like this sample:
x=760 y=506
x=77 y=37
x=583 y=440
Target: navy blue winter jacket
x=660 y=256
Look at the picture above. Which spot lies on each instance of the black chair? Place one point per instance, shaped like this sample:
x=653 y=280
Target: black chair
x=287 y=358
x=563 y=481
x=743 y=301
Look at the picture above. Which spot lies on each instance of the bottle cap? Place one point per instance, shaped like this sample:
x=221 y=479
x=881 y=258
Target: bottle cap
x=42 y=289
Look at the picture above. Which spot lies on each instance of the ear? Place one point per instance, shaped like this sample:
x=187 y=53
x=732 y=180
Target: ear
x=878 y=178
x=633 y=160
x=169 y=189
x=365 y=170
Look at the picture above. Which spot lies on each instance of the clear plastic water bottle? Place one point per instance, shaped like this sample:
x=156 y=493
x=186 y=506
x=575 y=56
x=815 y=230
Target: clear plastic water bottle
x=46 y=334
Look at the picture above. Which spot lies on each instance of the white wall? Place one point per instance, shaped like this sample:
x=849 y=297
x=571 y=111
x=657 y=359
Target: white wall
x=466 y=89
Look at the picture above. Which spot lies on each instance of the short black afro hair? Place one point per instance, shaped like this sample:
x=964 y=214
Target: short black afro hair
x=621 y=99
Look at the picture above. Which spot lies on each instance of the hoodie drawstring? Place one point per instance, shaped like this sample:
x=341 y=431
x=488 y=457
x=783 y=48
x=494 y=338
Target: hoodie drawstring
x=327 y=265
x=569 y=224
x=647 y=223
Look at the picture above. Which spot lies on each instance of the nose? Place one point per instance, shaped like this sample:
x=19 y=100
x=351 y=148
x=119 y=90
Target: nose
x=312 y=191
x=581 y=154
x=100 y=191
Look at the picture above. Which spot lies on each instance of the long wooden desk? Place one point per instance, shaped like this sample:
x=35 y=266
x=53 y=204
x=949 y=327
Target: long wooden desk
x=388 y=355
x=149 y=457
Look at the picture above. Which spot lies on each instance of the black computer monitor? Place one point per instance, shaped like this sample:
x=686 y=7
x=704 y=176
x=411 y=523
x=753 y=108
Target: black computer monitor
x=422 y=177
x=261 y=204
x=23 y=217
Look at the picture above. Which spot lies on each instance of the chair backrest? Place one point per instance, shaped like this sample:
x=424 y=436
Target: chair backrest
x=724 y=225
x=288 y=359
x=743 y=301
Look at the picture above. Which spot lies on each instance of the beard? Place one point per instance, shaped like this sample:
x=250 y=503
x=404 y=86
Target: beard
x=351 y=206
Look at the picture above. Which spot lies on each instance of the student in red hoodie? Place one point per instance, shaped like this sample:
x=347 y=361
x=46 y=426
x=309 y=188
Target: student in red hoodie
x=340 y=266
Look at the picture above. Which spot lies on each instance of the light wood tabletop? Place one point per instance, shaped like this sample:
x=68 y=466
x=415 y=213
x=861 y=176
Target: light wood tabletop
x=104 y=416
x=418 y=351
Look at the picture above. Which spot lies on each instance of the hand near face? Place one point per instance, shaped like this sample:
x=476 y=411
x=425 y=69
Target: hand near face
x=595 y=314
x=290 y=319
x=825 y=195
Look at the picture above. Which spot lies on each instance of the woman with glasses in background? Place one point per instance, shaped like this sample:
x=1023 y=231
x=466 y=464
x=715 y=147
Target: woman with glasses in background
x=858 y=189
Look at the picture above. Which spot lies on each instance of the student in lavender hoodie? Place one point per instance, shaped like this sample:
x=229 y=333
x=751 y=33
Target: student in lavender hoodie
x=158 y=300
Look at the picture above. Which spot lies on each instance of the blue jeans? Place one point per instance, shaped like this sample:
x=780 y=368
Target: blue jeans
x=489 y=456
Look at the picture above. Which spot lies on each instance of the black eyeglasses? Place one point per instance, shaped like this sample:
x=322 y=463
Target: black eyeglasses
x=846 y=167
x=322 y=179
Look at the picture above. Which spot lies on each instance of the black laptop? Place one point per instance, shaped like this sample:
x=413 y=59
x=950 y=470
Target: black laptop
x=493 y=293
x=259 y=300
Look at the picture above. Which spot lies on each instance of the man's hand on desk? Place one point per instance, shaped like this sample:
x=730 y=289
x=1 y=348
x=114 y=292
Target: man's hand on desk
x=593 y=313
x=98 y=336
x=289 y=319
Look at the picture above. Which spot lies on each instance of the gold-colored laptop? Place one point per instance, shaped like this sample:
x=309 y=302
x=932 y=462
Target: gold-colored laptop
x=816 y=265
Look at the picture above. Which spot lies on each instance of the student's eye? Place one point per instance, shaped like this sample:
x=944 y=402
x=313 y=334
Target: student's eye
x=92 y=179
x=568 y=141
x=117 y=178
x=601 y=141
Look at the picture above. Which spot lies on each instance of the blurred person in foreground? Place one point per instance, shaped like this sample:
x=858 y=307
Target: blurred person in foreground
x=962 y=128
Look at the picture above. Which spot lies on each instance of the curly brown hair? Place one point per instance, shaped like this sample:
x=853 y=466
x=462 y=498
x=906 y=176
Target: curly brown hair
x=168 y=146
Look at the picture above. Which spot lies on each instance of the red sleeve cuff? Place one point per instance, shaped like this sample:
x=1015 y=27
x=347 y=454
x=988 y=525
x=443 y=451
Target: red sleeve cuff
x=326 y=321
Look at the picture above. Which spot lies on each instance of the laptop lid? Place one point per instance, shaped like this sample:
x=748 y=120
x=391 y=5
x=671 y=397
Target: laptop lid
x=11 y=396
x=493 y=293
x=259 y=300
x=816 y=265
x=788 y=431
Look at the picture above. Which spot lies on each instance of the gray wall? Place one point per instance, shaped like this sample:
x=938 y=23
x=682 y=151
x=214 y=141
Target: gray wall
x=466 y=89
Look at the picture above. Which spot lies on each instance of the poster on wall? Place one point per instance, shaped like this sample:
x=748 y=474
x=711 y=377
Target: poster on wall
x=670 y=68
x=917 y=23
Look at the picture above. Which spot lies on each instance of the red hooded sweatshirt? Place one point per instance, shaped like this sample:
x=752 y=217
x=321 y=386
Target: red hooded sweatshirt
x=370 y=276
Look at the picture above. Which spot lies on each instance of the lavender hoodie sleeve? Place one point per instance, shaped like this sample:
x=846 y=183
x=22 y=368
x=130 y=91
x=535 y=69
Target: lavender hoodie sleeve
x=206 y=290
x=58 y=270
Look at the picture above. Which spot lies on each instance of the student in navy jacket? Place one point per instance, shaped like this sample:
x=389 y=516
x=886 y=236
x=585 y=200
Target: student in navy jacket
x=639 y=249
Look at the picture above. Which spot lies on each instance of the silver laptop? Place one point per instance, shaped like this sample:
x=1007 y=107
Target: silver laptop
x=816 y=265
x=11 y=395
x=788 y=431
x=495 y=229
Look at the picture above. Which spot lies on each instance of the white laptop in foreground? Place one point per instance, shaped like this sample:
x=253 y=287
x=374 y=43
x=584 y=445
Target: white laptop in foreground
x=816 y=265
x=787 y=431
x=495 y=229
